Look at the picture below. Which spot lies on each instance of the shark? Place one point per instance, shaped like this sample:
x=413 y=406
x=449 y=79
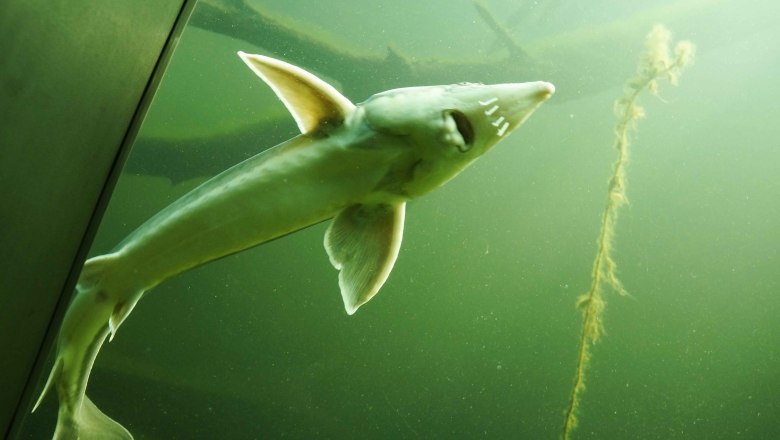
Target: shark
x=357 y=164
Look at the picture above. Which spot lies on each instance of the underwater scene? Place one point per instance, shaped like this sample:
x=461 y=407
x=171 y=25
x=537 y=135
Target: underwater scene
x=609 y=270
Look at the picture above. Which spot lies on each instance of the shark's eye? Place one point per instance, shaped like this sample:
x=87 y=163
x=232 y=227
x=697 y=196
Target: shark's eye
x=464 y=127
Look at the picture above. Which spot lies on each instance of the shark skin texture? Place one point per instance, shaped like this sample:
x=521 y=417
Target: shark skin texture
x=358 y=164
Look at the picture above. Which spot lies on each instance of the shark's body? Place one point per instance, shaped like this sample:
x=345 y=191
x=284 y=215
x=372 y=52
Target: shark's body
x=359 y=164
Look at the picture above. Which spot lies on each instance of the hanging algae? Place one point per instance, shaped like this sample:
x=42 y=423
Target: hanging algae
x=655 y=63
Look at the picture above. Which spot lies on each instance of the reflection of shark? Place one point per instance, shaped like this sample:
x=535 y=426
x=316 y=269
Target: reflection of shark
x=359 y=164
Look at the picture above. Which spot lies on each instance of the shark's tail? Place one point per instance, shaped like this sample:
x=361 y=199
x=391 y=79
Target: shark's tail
x=102 y=301
x=89 y=423
x=84 y=421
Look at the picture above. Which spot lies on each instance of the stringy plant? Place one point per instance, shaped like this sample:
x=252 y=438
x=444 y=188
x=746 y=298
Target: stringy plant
x=656 y=63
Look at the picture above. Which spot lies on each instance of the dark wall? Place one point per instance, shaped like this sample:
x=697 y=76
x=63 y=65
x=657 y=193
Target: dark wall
x=74 y=79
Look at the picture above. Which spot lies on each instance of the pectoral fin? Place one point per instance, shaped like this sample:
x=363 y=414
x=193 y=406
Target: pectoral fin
x=362 y=243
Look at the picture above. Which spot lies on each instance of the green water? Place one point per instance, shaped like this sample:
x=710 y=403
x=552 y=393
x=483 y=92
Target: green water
x=475 y=333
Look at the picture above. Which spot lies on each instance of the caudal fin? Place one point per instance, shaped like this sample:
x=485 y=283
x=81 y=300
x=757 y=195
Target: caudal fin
x=104 y=298
x=55 y=371
x=89 y=424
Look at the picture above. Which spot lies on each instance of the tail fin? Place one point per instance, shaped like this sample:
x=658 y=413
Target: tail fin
x=55 y=371
x=90 y=424
x=103 y=300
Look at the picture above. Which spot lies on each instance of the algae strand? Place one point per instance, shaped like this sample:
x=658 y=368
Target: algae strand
x=655 y=63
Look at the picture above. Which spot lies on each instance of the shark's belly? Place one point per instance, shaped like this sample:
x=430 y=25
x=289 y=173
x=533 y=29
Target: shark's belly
x=272 y=194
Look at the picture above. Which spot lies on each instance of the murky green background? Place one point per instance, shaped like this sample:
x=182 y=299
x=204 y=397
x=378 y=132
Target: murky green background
x=475 y=333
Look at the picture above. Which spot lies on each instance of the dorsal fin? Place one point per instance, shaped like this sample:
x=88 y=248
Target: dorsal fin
x=312 y=102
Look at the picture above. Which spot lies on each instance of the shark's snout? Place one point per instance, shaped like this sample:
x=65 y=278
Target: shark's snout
x=535 y=91
x=545 y=90
x=514 y=103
